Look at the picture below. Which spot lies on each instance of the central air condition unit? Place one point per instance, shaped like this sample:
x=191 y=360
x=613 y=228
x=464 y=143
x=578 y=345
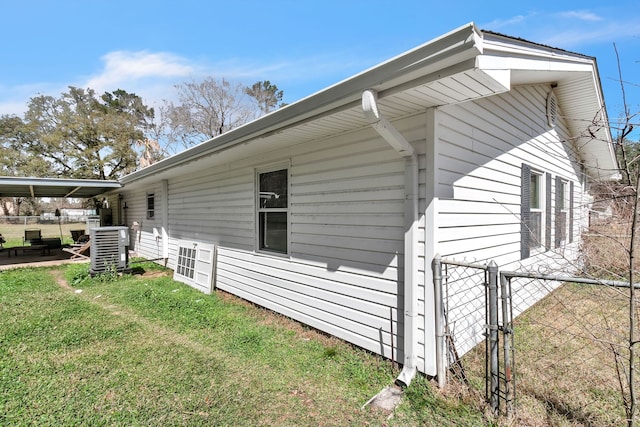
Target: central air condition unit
x=109 y=249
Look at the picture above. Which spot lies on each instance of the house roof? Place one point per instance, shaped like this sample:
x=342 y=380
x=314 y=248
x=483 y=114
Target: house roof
x=462 y=65
x=11 y=186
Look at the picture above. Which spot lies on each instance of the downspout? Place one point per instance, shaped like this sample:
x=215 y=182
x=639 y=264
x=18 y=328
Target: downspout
x=165 y=220
x=402 y=146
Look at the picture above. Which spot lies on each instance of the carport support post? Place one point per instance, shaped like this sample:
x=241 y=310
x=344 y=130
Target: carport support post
x=494 y=368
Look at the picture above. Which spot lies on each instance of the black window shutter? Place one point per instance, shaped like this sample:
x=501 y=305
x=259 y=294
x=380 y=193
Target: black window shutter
x=547 y=213
x=559 y=225
x=525 y=210
x=571 y=212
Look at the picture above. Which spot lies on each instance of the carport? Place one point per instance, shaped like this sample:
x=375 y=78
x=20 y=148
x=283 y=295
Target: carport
x=11 y=186
x=48 y=187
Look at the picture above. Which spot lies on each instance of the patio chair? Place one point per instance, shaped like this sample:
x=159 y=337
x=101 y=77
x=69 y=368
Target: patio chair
x=33 y=236
x=79 y=251
x=77 y=236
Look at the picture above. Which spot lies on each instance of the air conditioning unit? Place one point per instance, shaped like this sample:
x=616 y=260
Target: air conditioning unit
x=109 y=249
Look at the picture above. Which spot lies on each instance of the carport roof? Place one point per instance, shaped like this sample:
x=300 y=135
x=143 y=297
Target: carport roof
x=11 y=186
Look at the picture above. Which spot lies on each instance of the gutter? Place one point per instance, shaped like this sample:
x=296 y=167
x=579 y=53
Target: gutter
x=460 y=46
x=391 y=135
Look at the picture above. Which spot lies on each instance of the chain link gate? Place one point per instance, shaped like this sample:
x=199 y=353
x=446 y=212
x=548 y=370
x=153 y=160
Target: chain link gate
x=467 y=314
x=476 y=304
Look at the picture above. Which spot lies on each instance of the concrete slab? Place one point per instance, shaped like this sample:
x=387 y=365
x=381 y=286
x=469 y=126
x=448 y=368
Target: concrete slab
x=34 y=259
x=387 y=399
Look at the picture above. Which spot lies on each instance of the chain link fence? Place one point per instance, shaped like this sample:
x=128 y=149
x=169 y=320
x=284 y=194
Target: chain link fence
x=463 y=327
x=12 y=228
x=570 y=349
x=546 y=349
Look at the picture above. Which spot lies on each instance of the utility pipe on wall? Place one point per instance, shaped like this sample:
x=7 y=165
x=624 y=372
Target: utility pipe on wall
x=404 y=148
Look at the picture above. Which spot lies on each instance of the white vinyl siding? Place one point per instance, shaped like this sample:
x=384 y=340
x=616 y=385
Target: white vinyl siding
x=145 y=235
x=344 y=269
x=483 y=145
x=343 y=272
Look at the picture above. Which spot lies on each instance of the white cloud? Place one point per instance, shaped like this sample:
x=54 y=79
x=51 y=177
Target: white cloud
x=125 y=67
x=152 y=76
x=570 y=29
x=497 y=24
x=583 y=15
x=149 y=74
x=572 y=37
x=11 y=108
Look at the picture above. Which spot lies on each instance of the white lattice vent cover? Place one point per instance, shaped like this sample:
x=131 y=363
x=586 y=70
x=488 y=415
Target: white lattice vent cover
x=195 y=265
x=552 y=109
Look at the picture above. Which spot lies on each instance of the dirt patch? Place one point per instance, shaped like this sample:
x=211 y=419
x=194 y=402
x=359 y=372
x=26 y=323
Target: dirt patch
x=157 y=330
x=60 y=280
x=153 y=274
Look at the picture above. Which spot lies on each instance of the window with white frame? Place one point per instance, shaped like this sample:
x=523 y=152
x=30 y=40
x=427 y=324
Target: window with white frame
x=273 y=210
x=150 y=205
x=536 y=209
x=561 y=209
x=564 y=211
x=534 y=220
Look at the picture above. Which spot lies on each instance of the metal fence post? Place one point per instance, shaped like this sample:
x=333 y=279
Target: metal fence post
x=436 y=268
x=494 y=368
x=507 y=334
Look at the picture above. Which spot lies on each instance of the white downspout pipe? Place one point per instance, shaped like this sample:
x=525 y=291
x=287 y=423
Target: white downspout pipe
x=165 y=220
x=402 y=146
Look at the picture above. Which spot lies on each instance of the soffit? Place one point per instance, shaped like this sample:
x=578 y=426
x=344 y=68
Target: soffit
x=455 y=68
x=574 y=79
x=53 y=187
x=461 y=87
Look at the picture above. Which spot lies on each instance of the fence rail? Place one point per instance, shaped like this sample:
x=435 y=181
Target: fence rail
x=482 y=307
x=46 y=219
x=465 y=303
x=12 y=228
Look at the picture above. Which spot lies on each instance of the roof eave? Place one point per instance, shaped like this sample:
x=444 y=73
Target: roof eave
x=11 y=186
x=457 y=46
x=589 y=128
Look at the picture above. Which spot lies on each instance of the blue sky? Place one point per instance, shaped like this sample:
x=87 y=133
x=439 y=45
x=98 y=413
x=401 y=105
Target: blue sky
x=301 y=46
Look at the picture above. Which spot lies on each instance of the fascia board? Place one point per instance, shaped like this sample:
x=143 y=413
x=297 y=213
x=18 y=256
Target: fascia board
x=503 y=53
x=458 y=45
x=488 y=61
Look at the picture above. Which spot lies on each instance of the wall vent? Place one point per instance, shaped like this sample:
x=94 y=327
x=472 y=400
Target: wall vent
x=552 y=109
x=109 y=249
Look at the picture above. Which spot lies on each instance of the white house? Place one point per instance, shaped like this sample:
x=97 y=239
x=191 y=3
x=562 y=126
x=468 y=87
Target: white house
x=474 y=145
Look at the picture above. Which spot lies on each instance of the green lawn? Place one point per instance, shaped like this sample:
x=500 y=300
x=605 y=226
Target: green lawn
x=145 y=350
x=14 y=233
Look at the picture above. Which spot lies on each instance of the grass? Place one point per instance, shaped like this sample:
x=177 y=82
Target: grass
x=566 y=349
x=14 y=233
x=571 y=346
x=145 y=350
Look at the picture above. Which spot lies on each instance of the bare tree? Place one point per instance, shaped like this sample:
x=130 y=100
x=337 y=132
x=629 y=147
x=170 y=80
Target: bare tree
x=623 y=198
x=211 y=107
x=205 y=109
x=632 y=174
